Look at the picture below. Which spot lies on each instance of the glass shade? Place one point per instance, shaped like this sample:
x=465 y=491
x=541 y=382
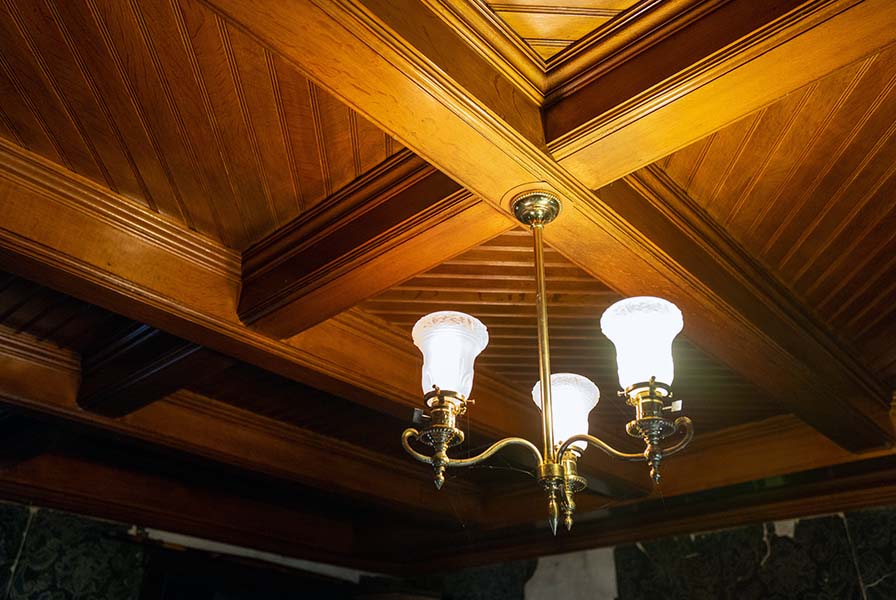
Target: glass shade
x=450 y=341
x=572 y=398
x=642 y=329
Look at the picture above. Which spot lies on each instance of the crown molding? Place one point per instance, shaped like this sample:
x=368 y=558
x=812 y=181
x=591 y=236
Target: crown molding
x=486 y=33
x=625 y=36
x=33 y=172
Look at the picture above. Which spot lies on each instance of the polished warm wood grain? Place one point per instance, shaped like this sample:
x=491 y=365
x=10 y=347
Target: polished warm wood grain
x=193 y=295
x=806 y=186
x=552 y=25
x=402 y=218
x=171 y=166
x=481 y=153
x=732 y=61
x=166 y=104
x=178 y=502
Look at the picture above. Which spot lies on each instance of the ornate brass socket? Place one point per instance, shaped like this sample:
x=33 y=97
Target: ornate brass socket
x=536 y=208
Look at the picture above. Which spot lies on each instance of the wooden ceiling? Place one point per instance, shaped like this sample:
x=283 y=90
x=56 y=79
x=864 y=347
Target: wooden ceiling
x=806 y=186
x=551 y=26
x=176 y=109
x=218 y=224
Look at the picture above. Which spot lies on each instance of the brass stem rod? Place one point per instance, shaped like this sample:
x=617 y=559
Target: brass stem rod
x=544 y=352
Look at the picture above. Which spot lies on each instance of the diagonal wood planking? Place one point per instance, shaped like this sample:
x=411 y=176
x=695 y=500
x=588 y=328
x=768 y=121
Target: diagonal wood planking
x=383 y=64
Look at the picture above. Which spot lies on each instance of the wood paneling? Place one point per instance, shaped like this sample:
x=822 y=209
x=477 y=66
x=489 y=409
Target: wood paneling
x=166 y=104
x=401 y=218
x=806 y=185
x=495 y=283
x=552 y=25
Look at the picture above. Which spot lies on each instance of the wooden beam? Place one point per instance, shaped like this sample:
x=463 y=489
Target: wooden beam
x=39 y=377
x=143 y=267
x=362 y=55
x=140 y=367
x=90 y=487
x=402 y=218
x=696 y=73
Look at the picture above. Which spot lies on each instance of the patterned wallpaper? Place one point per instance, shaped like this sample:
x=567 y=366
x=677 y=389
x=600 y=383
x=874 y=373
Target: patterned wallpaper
x=50 y=555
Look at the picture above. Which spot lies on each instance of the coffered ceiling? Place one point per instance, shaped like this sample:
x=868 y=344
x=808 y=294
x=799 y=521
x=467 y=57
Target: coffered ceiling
x=219 y=221
x=549 y=27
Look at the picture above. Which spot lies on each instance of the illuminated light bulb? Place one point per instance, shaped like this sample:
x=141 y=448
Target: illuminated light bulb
x=642 y=329
x=450 y=341
x=572 y=398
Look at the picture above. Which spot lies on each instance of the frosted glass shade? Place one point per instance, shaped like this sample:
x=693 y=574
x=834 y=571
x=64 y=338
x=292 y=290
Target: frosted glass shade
x=572 y=398
x=642 y=329
x=450 y=341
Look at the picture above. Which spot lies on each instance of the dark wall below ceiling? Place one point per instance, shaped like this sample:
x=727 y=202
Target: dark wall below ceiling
x=46 y=553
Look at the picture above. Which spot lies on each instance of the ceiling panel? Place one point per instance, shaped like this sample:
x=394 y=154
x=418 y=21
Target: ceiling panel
x=495 y=283
x=166 y=104
x=808 y=186
x=549 y=26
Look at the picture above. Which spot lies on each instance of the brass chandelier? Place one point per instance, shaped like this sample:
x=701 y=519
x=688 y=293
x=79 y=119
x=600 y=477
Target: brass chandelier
x=642 y=330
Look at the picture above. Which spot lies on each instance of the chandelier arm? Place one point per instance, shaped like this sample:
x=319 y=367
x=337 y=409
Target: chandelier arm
x=413 y=433
x=466 y=462
x=584 y=437
x=685 y=425
x=494 y=449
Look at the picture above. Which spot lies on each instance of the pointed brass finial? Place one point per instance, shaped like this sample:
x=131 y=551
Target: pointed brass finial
x=568 y=522
x=553 y=514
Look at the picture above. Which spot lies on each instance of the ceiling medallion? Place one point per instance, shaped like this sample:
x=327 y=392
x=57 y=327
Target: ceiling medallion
x=641 y=328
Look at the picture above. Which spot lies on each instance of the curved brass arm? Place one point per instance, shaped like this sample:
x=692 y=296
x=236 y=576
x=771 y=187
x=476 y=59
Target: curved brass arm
x=466 y=462
x=687 y=426
x=584 y=437
x=408 y=433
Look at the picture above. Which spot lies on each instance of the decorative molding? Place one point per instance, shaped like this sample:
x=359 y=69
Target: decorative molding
x=487 y=34
x=401 y=204
x=200 y=426
x=631 y=32
x=761 y=29
x=31 y=171
x=23 y=346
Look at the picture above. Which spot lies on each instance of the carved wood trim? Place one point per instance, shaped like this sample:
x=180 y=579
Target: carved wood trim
x=203 y=427
x=33 y=172
x=495 y=41
x=677 y=105
x=630 y=33
x=343 y=251
x=70 y=483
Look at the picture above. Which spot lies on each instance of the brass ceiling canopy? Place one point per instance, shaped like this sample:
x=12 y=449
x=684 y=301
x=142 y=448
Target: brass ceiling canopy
x=642 y=330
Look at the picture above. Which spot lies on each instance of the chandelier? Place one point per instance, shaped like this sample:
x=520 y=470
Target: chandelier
x=642 y=330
